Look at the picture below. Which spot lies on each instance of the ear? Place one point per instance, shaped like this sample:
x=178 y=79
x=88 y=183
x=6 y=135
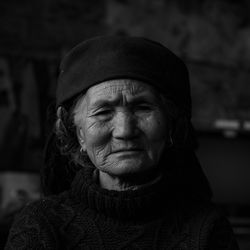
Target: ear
x=80 y=137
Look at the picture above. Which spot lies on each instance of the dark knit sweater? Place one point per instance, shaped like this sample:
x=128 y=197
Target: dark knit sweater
x=89 y=217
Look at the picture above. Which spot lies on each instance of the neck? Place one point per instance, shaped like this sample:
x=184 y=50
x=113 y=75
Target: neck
x=126 y=183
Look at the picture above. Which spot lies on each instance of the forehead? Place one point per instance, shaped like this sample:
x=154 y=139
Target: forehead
x=120 y=87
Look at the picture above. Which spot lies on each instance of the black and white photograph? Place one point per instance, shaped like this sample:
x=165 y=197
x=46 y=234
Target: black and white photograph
x=124 y=125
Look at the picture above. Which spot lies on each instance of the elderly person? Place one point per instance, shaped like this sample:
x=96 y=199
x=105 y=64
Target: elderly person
x=124 y=135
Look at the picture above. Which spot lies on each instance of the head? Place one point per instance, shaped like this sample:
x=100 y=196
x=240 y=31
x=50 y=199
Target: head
x=120 y=100
x=122 y=125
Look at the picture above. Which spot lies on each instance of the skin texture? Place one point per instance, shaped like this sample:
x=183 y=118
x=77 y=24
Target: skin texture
x=122 y=127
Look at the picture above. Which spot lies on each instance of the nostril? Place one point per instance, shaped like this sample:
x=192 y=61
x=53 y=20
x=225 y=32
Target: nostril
x=125 y=131
x=125 y=127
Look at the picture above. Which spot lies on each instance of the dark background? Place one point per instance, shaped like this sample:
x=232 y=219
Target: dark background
x=212 y=37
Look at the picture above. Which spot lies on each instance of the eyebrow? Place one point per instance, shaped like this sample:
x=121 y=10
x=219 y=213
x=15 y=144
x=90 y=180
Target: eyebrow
x=137 y=100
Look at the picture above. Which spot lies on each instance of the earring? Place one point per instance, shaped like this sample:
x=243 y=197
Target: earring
x=171 y=143
x=82 y=150
x=171 y=140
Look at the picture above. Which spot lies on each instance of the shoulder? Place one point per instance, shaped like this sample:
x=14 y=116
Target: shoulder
x=211 y=228
x=37 y=225
x=57 y=205
x=217 y=233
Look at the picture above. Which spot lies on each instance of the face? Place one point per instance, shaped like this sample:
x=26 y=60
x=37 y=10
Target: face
x=122 y=127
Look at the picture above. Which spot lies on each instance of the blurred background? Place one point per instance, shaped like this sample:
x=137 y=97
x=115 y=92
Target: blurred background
x=212 y=37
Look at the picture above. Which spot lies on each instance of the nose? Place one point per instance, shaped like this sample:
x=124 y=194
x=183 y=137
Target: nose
x=125 y=126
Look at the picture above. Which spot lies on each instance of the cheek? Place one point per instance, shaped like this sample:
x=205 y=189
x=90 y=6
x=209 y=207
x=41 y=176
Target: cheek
x=97 y=136
x=155 y=127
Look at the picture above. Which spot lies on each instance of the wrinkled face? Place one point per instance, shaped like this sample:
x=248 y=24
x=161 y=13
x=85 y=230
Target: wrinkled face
x=122 y=127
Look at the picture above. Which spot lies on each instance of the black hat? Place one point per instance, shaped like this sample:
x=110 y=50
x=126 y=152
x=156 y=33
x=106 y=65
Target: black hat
x=114 y=57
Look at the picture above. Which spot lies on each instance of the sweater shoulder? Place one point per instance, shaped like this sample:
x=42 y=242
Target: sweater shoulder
x=57 y=209
x=216 y=231
x=211 y=228
x=38 y=224
x=43 y=207
x=201 y=217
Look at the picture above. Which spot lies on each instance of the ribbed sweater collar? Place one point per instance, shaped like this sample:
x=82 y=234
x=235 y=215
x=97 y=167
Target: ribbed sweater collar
x=142 y=204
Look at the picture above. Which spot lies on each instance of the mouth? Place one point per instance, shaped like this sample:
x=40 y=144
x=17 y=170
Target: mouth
x=128 y=150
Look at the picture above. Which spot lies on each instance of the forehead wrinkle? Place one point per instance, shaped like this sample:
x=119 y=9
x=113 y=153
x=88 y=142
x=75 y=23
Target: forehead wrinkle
x=116 y=89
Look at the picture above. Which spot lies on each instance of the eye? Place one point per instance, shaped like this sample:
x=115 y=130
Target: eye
x=104 y=112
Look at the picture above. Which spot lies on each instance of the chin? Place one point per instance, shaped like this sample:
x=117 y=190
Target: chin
x=129 y=167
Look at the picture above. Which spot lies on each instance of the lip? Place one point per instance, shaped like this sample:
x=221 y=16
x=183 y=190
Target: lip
x=127 y=150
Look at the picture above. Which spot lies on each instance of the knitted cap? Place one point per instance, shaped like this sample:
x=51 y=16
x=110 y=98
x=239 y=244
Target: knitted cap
x=115 y=57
